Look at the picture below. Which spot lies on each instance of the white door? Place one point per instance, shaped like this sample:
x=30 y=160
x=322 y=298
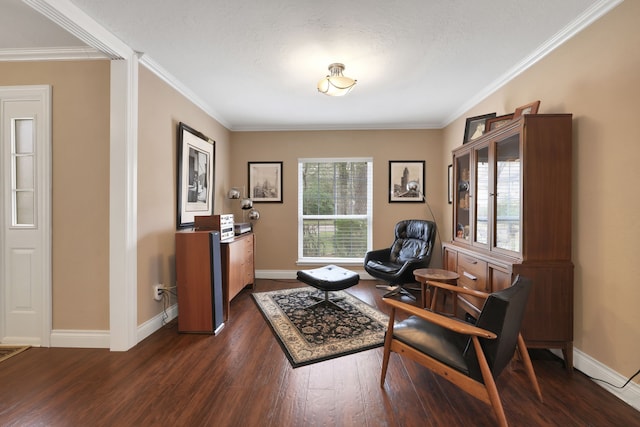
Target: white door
x=25 y=232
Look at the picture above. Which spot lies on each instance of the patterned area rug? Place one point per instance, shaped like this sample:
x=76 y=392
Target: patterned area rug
x=7 y=351
x=310 y=335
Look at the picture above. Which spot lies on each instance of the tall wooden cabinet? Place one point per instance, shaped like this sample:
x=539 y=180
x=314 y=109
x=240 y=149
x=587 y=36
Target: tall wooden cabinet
x=512 y=216
x=199 y=281
x=199 y=265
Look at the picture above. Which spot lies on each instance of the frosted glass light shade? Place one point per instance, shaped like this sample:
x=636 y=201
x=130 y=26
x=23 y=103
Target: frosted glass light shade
x=336 y=84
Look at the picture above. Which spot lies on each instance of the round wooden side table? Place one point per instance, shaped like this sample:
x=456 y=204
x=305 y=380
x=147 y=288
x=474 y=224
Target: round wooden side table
x=423 y=275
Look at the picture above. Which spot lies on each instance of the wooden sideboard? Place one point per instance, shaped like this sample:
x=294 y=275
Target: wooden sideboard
x=196 y=277
x=238 y=269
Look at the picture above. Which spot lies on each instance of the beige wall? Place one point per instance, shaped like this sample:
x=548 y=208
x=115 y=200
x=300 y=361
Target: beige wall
x=595 y=76
x=80 y=94
x=161 y=108
x=81 y=184
x=276 y=230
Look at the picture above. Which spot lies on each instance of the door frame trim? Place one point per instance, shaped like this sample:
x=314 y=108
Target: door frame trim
x=123 y=285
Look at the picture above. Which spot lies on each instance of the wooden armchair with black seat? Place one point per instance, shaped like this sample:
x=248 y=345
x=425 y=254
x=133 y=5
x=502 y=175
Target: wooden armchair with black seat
x=469 y=356
x=411 y=249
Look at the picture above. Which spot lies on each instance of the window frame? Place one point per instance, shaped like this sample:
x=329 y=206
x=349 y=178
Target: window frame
x=368 y=216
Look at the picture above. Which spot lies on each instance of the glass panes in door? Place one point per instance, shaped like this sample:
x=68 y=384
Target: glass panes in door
x=482 y=196
x=23 y=158
x=462 y=196
x=507 y=194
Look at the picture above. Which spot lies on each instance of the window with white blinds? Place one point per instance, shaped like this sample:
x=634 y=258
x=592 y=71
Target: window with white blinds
x=334 y=209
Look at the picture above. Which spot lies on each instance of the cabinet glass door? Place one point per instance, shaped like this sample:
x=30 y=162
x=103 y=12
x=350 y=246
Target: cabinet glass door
x=481 y=217
x=462 y=196
x=507 y=229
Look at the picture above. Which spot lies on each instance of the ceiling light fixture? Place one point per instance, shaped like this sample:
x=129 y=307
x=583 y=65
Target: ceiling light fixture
x=335 y=84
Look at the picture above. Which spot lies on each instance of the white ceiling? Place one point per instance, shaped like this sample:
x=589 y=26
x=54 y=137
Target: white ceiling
x=255 y=64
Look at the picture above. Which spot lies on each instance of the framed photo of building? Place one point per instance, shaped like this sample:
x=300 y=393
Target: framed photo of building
x=406 y=181
x=265 y=182
x=196 y=165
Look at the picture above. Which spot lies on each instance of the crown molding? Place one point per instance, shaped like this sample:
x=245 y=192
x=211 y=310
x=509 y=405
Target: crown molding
x=589 y=16
x=52 y=54
x=75 y=21
x=169 y=79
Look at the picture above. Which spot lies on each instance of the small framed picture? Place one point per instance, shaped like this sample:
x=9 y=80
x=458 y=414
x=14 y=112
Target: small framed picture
x=475 y=127
x=498 y=122
x=531 y=108
x=406 y=181
x=196 y=165
x=265 y=182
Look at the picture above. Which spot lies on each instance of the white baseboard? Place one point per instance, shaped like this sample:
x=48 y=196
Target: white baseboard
x=292 y=274
x=101 y=339
x=157 y=322
x=591 y=367
x=33 y=342
x=275 y=274
x=72 y=338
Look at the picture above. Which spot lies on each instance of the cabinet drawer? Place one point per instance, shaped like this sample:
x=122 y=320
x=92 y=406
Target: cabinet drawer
x=499 y=278
x=473 y=273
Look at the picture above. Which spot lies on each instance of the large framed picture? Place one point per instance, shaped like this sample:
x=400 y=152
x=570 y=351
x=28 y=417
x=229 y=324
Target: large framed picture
x=196 y=164
x=265 y=182
x=406 y=181
x=475 y=127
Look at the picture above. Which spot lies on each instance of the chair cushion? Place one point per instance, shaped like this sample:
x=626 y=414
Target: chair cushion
x=415 y=229
x=438 y=342
x=404 y=250
x=329 y=278
x=386 y=267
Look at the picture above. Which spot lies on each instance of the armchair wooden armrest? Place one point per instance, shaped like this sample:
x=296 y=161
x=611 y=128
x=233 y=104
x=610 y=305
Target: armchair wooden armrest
x=438 y=319
x=458 y=289
x=435 y=286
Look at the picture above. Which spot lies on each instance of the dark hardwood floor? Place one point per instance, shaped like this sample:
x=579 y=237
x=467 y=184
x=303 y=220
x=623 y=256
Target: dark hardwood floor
x=242 y=378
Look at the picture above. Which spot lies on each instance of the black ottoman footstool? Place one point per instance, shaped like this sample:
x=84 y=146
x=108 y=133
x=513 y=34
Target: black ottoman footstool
x=328 y=278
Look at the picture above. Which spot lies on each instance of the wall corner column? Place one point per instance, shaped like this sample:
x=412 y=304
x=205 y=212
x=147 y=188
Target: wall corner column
x=123 y=284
